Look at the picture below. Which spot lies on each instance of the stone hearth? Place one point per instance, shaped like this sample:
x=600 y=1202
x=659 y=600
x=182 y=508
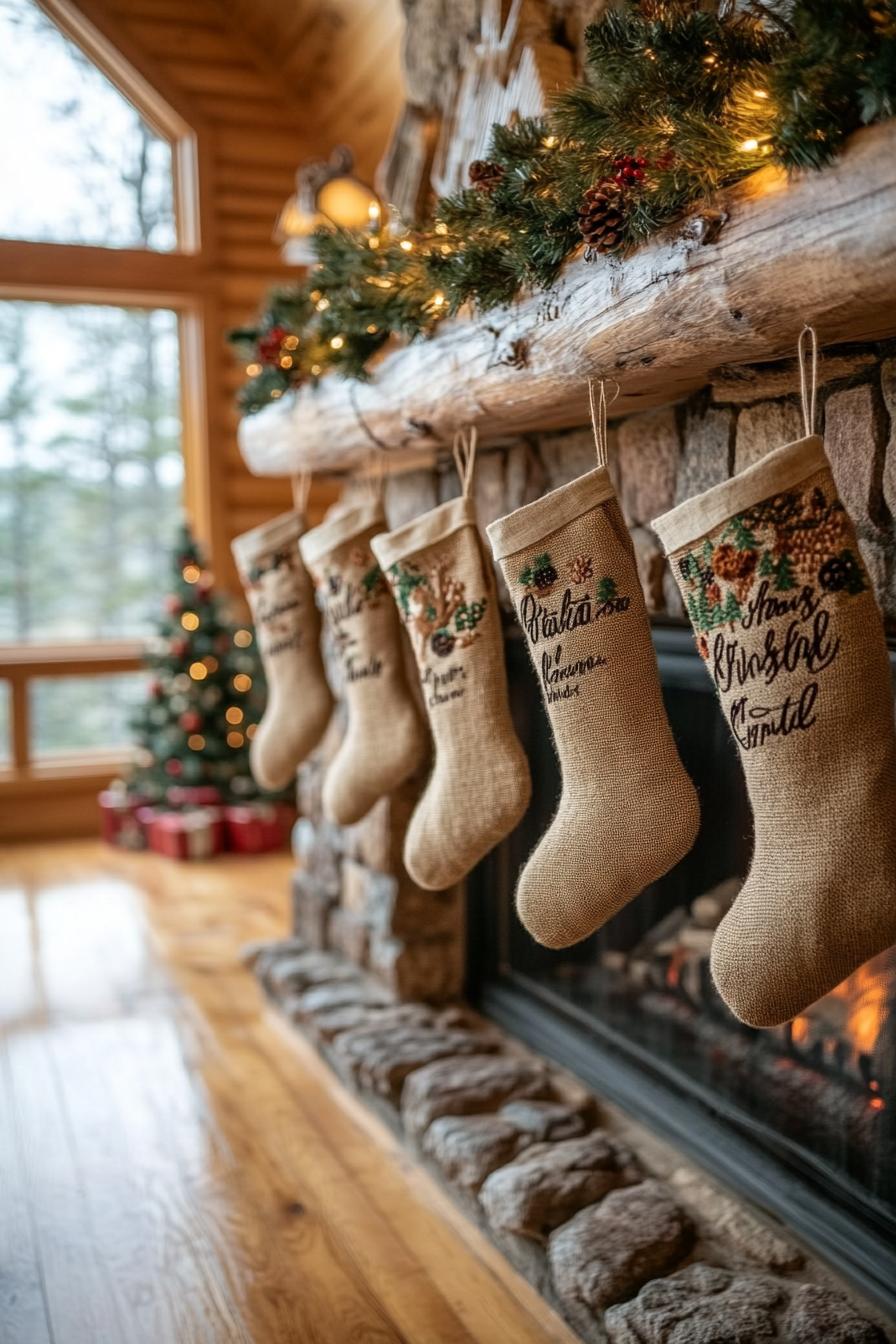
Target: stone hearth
x=628 y=1243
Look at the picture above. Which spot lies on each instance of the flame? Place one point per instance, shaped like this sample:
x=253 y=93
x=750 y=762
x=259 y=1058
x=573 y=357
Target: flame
x=865 y=994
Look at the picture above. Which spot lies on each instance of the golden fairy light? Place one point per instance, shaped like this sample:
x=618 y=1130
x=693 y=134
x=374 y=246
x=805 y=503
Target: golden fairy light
x=235 y=739
x=441 y=228
x=315 y=369
x=286 y=361
x=749 y=146
x=337 y=342
x=211 y=663
x=406 y=245
x=253 y=370
x=372 y=328
x=242 y=682
x=322 y=305
x=438 y=299
x=291 y=343
x=198 y=671
x=242 y=638
x=189 y=620
x=276 y=394
x=251 y=729
x=196 y=742
x=192 y=573
x=234 y=714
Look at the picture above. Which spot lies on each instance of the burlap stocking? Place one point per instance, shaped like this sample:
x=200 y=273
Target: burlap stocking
x=385 y=741
x=628 y=811
x=785 y=619
x=445 y=590
x=287 y=627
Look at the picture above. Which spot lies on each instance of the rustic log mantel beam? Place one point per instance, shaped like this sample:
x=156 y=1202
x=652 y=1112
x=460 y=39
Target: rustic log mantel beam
x=733 y=286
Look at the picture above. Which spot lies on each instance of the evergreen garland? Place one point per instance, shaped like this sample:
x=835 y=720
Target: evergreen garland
x=676 y=103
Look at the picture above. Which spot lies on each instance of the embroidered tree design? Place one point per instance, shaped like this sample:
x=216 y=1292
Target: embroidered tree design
x=784 y=576
x=738 y=532
x=606 y=590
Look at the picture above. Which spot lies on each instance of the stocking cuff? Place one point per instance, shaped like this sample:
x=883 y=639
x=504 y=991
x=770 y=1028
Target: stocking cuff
x=439 y=523
x=283 y=530
x=772 y=475
x=534 y=522
x=320 y=541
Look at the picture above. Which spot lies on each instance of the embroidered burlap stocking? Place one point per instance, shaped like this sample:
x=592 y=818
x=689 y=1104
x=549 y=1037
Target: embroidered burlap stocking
x=385 y=741
x=444 y=587
x=628 y=811
x=287 y=626
x=785 y=619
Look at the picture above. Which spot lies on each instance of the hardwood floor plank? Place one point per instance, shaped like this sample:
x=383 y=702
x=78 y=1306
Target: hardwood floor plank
x=177 y=1168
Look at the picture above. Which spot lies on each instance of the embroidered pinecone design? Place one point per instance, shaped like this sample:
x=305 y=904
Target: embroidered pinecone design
x=601 y=218
x=730 y=563
x=442 y=643
x=580 y=569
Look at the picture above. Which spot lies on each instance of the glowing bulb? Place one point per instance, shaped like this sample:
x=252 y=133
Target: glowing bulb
x=373 y=242
x=760 y=93
x=235 y=739
x=196 y=742
x=189 y=620
x=438 y=299
x=234 y=714
x=322 y=305
x=406 y=245
x=251 y=730
x=276 y=394
x=549 y=141
x=211 y=663
x=253 y=370
x=314 y=295
x=242 y=639
x=291 y=343
x=372 y=329
x=286 y=361
x=198 y=671
x=373 y=211
x=337 y=342
x=749 y=146
x=241 y=682
x=191 y=573
x=441 y=229
x=315 y=369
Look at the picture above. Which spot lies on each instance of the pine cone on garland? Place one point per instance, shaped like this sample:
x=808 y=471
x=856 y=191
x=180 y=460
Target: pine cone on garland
x=601 y=218
x=485 y=175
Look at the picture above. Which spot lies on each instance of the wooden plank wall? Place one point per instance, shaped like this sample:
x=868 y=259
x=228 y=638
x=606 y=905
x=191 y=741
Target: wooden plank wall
x=259 y=122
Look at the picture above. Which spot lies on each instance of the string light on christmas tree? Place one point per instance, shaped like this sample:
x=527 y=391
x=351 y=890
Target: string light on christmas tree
x=234 y=714
x=196 y=742
x=189 y=620
x=192 y=573
x=198 y=671
x=242 y=682
x=235 y=739
x=242 y=638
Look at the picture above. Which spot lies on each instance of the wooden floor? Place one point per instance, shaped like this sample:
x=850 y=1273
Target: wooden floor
x=174 y=1166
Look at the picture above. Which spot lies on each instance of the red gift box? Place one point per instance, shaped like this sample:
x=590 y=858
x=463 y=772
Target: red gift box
x=254 y=828
x=118 y=818
x=193 y=795
x=196 y=834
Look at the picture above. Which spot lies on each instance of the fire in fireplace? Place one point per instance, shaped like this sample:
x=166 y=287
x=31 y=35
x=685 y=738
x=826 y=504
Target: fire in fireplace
x=801 y=1119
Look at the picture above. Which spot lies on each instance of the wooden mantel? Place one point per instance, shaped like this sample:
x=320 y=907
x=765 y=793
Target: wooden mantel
x=818 y=248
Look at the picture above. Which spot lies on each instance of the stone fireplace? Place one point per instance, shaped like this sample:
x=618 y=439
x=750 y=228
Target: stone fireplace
x=798 y=1123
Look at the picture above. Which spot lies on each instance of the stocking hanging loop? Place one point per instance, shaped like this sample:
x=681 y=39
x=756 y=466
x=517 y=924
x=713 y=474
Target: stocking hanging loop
x=808 y=385
x=464 y=450
x=301 y=487
x=599 y=406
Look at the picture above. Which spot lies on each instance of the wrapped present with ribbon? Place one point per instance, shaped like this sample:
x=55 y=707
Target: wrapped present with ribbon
x=118 y=816
x=193 y=795
x=255 y=828
x=194 y=834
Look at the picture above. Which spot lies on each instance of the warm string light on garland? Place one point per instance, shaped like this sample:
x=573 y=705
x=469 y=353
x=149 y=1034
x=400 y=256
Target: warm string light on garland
x=676 y=104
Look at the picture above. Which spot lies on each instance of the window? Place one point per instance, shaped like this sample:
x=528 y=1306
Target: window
x=91 y=469
x=102 y=302
x=77 y=162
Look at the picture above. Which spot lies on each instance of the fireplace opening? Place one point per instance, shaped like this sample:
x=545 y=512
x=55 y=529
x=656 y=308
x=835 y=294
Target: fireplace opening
x=800 y=1119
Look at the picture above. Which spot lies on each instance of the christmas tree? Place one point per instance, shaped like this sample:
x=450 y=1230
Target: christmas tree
x=206 y=695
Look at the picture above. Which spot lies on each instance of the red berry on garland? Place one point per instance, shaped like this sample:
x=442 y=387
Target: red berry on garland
x=173 y=767
x=191 y=722
x=269 y=344
x=628 y=170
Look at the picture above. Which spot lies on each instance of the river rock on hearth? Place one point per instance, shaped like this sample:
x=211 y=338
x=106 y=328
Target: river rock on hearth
x=330 y=1025
x=820 y=1316
x=608 y=1251
x=468 y=1148
x=324 y=998
x=700 y=1305
x=380 y=1058
x=469 y=1086
x=546 y=1121
x=552 y=1181
x=302 y=970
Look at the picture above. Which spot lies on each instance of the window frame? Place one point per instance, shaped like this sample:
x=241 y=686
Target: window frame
x=70 y=273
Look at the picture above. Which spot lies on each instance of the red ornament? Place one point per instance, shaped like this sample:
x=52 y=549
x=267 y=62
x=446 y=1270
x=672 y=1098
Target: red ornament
x=173 y=767
x=269 y=345
x=191 y=722
x=628 y=169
